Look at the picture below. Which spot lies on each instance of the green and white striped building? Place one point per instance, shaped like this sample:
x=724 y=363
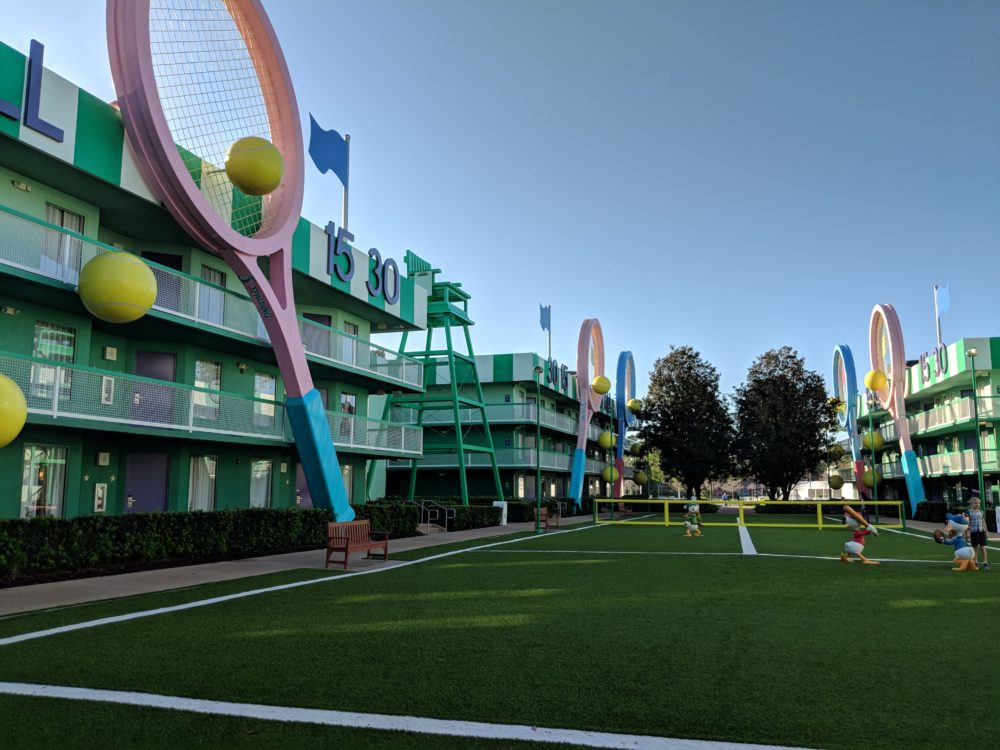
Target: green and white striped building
x=183 y=408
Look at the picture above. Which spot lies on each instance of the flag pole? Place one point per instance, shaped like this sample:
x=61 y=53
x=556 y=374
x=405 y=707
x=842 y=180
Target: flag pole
x=937 y=315
x=347 y=140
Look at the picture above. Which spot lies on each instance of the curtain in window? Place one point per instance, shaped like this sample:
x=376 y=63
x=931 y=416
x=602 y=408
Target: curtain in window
x=43 y=481
x=347 y=474
x=211 y=301
x=348 y=352
x=207 y=375
x=202 y=488
x=62 y=254
x=264 y=388
x=260 y=483
x=57 y=344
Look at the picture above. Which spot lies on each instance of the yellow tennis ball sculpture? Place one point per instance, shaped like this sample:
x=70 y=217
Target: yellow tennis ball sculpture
x=636 y=449
x=607 y=440
x=835 y=481
x=872 y=437
x=601 y=384
x=117 y=287
x=255 y=165
x=640 y=477
x=634 y=405
x=870 y=480
x=13 y=410
x=875 y=380
x=609 y=474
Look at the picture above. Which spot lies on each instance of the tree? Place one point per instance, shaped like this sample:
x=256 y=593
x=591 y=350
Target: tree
x=685 y=419
x=784 y=422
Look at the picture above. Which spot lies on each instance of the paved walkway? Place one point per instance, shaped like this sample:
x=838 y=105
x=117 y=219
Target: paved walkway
x=83 y=590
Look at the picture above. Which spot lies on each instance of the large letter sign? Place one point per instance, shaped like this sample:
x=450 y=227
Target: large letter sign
x=885 y=344
x=589 y=364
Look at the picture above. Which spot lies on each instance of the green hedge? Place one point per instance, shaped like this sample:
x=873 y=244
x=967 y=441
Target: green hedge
x=55 y=547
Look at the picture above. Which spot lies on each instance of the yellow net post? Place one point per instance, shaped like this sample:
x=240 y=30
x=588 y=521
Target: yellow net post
x=819 y=516
x=740 y=507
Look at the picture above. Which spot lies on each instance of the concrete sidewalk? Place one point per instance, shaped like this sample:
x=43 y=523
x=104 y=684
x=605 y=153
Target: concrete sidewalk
x=82 y=590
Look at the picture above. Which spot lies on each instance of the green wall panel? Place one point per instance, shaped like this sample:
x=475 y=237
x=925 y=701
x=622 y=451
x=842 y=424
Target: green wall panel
x=300 y=247
x=503 y=368
x=100 y=138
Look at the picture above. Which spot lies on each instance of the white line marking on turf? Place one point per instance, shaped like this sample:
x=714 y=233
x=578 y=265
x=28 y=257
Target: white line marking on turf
x=706 y=554
x=255 y=592
x=746 y=542
x=448 y=727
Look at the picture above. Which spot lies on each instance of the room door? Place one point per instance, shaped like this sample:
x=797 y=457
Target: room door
x=146 y=482
x=153 y=403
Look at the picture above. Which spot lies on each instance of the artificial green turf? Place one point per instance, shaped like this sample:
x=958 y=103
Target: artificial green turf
x=102 y=726
x=726 y=647
x=830 y=543
x=26 y=622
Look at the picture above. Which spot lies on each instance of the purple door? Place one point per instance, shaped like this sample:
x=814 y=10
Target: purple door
x=146 y=482
x=303 y=498
x=152 y=403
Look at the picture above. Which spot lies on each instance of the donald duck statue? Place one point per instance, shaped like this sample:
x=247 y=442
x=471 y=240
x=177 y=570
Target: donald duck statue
x=965 y=555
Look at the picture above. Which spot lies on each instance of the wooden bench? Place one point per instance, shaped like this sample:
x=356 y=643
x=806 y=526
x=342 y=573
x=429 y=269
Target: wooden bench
x=549 y=520
x=353 y=536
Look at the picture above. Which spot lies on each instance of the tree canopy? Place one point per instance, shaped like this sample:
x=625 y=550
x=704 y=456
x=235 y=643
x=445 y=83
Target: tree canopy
x=784 y=421
x=685 y=419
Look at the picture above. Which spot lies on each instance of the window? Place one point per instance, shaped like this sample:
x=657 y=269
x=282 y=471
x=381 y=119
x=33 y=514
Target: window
x=347 y=474
x=348 y=344
x=520 y=487
x=348 y=407
x=264 y=388
x=212 y=301
x=43 y=481
x=56 y=344
x=62 y=254
x=260 y=483
x=207 y=375
x=201 y=490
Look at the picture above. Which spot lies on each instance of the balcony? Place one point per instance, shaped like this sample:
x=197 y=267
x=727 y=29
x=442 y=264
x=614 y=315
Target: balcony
x=46 y=250
x=354 y=433
x=520 y=413
x=112 y=400
x=516 y=458
x=120 y=402
x=956 y=412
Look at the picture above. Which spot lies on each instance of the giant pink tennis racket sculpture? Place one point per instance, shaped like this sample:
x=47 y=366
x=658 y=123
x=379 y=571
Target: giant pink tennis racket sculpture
x=193 y=77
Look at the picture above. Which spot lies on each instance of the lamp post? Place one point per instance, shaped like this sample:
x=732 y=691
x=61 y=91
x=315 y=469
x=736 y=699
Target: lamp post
x=971 y=353
x=538 y=449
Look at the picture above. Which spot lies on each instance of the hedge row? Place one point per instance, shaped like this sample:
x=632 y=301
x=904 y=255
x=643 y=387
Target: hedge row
x=93 y=544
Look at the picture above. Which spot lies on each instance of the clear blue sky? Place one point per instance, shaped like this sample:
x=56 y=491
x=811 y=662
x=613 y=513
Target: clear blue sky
x=727 y=174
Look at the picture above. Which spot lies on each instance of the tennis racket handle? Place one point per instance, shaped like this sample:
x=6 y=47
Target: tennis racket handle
x=317 y=454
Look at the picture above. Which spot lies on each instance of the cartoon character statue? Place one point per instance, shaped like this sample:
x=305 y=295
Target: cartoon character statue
x=692 y=520
x=860 y=528
x=965 y=555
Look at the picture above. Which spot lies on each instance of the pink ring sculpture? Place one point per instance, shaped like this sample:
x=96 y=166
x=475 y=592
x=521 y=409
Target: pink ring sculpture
x=589 y=365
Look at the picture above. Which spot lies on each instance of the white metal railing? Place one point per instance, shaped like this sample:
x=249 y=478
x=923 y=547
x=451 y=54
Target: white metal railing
x=956 y=411
x=59 y=254
x=346 y=350
x=959 y=462
x=506 y=457
x=65 y=391
x=516 y=413
x=359 y=433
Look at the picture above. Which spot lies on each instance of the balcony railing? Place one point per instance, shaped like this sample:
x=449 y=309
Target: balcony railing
x=65 y=391
x=59 y=254
x=367 y=435
x=956 y=412
x=518 y=458
x=520 y=413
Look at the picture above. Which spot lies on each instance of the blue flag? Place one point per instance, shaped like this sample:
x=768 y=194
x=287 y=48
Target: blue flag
x=329 y=150
x=545 y=317
x=943 y=298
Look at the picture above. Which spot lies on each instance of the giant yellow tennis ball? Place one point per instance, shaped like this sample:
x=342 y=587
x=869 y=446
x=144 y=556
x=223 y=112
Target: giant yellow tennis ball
x=835 y=481
x=117 y=287
x=875 y=380
x=255 y=165
x=868 y=480
x=872 y=437
x=636 y=449
x=13 y=410
x=609 y=474
x=634 y=405
x=639 y=477
x=600 y=384
x=607 y=440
